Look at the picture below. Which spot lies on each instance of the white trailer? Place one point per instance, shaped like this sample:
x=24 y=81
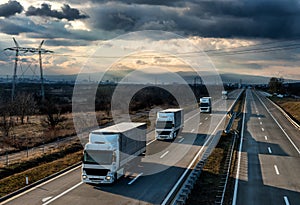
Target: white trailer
x=110 y=149
x=168 y=123
x=205 y=104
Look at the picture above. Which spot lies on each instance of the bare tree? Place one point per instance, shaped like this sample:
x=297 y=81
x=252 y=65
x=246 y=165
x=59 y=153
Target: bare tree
x=53 y=116
x=6 y=118
x=25 y=105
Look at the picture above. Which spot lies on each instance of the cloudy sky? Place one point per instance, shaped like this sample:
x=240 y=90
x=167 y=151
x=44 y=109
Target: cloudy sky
x=257 y=37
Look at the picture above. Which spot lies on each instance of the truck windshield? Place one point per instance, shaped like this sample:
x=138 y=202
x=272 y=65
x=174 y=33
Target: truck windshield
x=98 y=157
x=204 y=105
x=164 y=125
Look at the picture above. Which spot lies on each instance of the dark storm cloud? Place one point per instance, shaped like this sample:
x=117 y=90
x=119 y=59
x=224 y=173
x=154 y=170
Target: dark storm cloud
x=13 y=28
x=66 y=13
x=240 y=18
x=11 y=8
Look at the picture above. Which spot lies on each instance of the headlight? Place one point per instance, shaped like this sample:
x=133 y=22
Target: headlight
x=108 y=178
x=84 y=176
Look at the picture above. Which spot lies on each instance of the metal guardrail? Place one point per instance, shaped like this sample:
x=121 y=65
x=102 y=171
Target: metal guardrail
x=229 y=125
x=183 y=193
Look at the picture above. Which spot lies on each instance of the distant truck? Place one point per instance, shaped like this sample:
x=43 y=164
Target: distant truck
x=205 y=104
x=168 y=123
x=224 y=95
x=110 y=149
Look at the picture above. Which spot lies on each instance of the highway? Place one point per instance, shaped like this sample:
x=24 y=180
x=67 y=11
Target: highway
x=269 y=164
x=150 y=179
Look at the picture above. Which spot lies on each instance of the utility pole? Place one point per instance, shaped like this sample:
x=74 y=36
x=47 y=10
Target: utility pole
x=39 y=51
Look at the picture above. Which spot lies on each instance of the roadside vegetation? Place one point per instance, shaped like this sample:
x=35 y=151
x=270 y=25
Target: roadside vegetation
x=290 y=105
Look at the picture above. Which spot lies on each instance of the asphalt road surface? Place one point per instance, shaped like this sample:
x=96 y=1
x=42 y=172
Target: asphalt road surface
x=147 y=181
x=269 y=169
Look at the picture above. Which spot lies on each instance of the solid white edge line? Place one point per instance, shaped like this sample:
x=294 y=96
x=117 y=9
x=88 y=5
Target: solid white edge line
x=286 y=200
x=195 y=158
x=239 y=155
x=37 y=186
x=269 y=149
x=63 y=193
x=276 y=169
x=135 y=178
x=162 y=156
x=297 y=149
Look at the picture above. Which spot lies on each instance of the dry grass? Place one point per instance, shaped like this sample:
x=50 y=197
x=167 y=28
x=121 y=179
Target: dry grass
x=290 y=105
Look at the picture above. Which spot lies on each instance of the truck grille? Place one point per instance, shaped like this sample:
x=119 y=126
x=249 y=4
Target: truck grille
x=96 y=172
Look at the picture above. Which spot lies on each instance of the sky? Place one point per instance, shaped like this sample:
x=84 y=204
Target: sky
x=247 y=37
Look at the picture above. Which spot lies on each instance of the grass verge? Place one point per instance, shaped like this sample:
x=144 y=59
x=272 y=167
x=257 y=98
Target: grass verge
x=289 y=105
x=37 y=169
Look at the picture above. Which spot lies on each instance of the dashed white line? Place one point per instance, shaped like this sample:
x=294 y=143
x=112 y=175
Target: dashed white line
x=46 y=199
x=201 y=123
x=286 y=200
x=266 y=137
x=262 y=129
x=65 y=192
x=164 y=154
x=259 y=118
x=192 y=130
x=269 y=149
x=206 y=118
x=276 y=169
x=260 y=123
x=135 y=178
x=181 y=140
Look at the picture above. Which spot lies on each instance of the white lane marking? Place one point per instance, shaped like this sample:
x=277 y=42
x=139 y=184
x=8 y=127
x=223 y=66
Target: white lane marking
x=269 y=149
x=191 y=117
x=46 y=199
x=65 y=192
x=260 y=123
x=276 y=169
x=239 y=153
x=206 y=118
x=200 y=123
x=286 y=200
x=297 y=149
x=181 y=140
x=135 y=178
x=262 y=129
x=164 y=154
x=266 y=137
x=192 y=130
x=259 y=118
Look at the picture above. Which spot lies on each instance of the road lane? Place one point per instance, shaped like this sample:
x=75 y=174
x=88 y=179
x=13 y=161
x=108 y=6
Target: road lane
x=270 y=164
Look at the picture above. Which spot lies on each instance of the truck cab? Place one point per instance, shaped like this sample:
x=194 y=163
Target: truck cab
x=205 y=104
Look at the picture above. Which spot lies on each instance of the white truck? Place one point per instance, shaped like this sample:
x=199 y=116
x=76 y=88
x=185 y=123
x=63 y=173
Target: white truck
x=168 y=123
x=205 y=104
x=110 y=149
x=224 y=95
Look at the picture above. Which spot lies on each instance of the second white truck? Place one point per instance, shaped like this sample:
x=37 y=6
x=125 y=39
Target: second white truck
x=168 y=124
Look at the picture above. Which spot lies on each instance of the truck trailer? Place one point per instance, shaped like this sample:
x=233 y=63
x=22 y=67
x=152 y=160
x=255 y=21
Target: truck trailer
x=168 y=123
x=205 y=104
x=110 y=149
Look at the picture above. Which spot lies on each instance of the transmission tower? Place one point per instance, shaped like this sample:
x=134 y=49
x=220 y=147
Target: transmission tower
x=39 y=51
